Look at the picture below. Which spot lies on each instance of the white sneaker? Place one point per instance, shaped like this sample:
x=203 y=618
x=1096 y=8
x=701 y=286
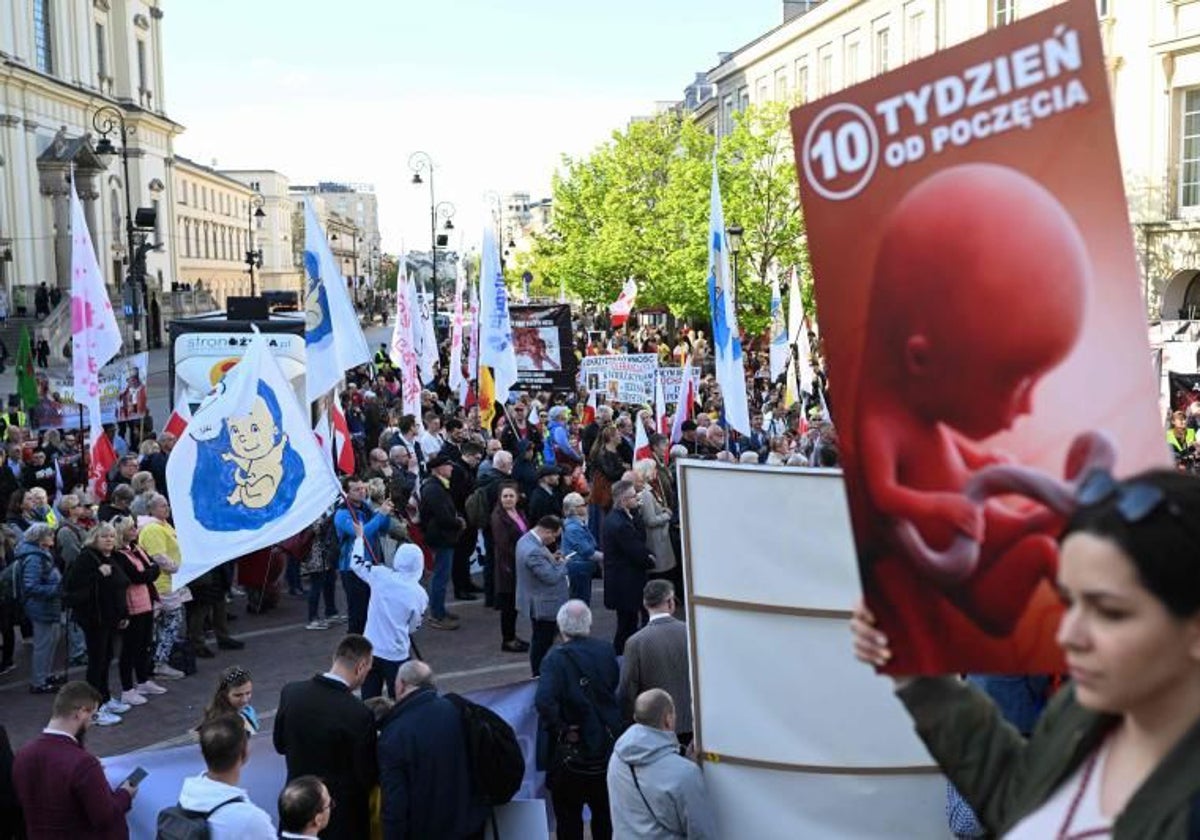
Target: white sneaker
x=103 y=718
x=317 y=625
x=148 y=688
x=116 y=707
x=237 y=591
x=132 y=698
x=165 y=672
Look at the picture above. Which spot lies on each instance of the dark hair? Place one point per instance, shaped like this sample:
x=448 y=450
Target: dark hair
x=75 y=696
x=16 y=501
x=470 y=447
x=231 y=677
x=550 y=522
x=223 y=742
x=656 y=592
x=406 y=424
x=299 y=803
x=507 y=485
x=352 y=649
x=1163 y=546
x=453 y=425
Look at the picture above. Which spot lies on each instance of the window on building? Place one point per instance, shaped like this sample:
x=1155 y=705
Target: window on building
x=882 y=58
x=781 y=85
x=157 y=220
x=762 y=90
x=187 y=240
x=914 y=35
x=1104 y=7
x=183 y=192
x=1003 y=12
x=727 y=115
x=743 y=98
x=850 y=72
x=43 y=31
x=802 y=80
x=141 y=64
x=1189 y=175
x=824 y=74
x=101 y=54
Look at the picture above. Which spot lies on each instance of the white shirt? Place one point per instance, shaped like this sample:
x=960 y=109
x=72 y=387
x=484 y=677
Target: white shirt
x=431 y=444
x=393 y=612
x=287 y=835
x=329 y=675
x=657 y=616
x=1053 y=815
x=49 y=730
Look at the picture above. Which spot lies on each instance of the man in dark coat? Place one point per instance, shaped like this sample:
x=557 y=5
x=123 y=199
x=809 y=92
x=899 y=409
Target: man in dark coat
x=441 y=526
x=466 y=460
x=424 y=771
x=626 y=561
x=322 y=729
x=576 y=699
x=545 y=499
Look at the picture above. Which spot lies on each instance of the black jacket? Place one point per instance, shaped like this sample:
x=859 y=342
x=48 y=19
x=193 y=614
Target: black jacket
x=562 y=700
x=440 y=522
x=424 y=774
x=544 y=502
x=96 y=599
x=324 y=730
x=626 y=560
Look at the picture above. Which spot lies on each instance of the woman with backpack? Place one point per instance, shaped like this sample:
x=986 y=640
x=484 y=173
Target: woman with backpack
x=94 y=589
x=41 y=598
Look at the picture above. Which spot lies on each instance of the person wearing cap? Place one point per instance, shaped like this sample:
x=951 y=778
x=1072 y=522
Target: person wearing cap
x=546 y=498
x=442 y=526
x=557 y=450
x=688 y=436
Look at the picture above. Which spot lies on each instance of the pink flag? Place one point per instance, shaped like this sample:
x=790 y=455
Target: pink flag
x=624 y=304
x=403 y=352
x=95 y=338
x=458 y=382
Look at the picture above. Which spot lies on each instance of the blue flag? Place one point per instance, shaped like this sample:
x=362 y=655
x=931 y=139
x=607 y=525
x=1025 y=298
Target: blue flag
x=727 y=342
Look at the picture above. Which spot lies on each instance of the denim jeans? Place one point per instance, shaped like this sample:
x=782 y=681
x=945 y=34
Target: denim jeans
x=45 y=643
x=291 y=574
x=358 y=597
x=443 y=559
x=579 y=573
x=322 y=583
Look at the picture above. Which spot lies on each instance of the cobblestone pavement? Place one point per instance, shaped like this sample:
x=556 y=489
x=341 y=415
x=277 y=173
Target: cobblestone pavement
x=278 y=650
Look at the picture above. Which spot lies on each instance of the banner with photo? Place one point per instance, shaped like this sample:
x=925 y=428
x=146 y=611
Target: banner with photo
x=623 y=378
x=123 y=395
x=672 y=381
x=545 y=346
x=962 y=358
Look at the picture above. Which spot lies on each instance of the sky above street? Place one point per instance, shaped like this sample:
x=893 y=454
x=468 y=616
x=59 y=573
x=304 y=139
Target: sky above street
x=495 y=92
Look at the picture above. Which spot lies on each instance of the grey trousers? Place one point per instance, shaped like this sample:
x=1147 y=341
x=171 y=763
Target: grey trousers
x=45 y=644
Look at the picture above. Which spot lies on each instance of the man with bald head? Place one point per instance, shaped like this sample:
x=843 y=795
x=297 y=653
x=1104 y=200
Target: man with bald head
x=424 y=772
x=653 y=791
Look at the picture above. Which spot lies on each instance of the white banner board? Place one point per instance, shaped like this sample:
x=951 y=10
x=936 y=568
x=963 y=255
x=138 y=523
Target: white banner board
x=798 y=738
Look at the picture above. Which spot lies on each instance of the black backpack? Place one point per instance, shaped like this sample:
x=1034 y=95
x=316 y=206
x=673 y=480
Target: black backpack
x=497 y=764
x=178 y=823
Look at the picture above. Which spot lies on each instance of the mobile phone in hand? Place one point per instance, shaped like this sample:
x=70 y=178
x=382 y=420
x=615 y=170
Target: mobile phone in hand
x=135 y=778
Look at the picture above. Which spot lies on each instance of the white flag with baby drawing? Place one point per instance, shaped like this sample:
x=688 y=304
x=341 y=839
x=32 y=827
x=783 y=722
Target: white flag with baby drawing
x=248 y=472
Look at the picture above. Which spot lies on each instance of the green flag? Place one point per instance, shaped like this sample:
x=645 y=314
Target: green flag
x=26 y=381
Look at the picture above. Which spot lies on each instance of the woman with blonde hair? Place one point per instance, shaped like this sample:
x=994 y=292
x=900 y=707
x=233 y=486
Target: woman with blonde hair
x=134 y=665
x=656 y=515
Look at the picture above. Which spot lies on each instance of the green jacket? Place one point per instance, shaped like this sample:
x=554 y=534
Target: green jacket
x=1004 y=777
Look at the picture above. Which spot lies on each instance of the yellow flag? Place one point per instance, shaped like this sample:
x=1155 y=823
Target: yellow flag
x=487 y=397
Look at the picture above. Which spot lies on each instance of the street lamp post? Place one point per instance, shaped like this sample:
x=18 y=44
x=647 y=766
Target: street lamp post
x=735 y=246
x=421 y=162
x=106 y=120
x=254 y=210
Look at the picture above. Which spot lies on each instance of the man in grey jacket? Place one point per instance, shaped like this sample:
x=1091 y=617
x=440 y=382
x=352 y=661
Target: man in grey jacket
x=654 y=793
x=542 y=585
x=657 y=657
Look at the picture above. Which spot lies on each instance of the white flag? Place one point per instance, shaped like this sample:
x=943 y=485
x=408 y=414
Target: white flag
x=426 y=339
x=333 y=339
x=248 y=472
x=727 y=342
x=473 y=351
x=779 y=333
x=457 y=380
x=403 y=351
x=798 y=335
x=95 y=338
x=495 y=329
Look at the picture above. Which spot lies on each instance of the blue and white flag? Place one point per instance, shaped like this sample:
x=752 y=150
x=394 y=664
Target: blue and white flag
x=495 y=328
x=333 y=339
x=727 y=343
x=248 y=472
x=779 y=333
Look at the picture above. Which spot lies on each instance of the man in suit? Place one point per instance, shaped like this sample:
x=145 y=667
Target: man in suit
x=657 y=657
x=542 y=585
x=626 y=561
x=60 y=785
x=545 y=499
x=322 y=729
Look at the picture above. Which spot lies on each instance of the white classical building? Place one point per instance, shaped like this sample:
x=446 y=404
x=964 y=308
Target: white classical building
x=1152 y=49
x=273 y=232
x=61 y=63
x=357 y=204
x=216 y=226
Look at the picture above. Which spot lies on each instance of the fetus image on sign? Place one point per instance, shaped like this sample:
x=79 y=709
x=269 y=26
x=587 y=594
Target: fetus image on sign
x=257 y=454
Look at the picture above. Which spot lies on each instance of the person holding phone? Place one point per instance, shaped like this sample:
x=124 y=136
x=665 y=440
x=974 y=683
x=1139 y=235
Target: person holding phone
x=60 y=785
x=542 y=585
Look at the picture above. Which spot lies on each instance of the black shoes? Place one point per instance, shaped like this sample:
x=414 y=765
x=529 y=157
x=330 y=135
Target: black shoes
x=515 y=646
x=230 y=644
x=465 y=596
x=204 y=652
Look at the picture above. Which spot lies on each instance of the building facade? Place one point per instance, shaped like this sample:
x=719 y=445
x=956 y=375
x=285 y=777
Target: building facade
x=215 y=226
x=357 y=204
x=61 y=63
x=273 y=233
x=1152 y=49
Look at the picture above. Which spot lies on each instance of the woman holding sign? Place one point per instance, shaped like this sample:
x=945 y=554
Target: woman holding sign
x=1117 y=752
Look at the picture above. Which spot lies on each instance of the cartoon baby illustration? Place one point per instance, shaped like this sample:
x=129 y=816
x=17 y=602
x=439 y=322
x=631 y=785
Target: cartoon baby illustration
x=258 y=449
x=980 y=288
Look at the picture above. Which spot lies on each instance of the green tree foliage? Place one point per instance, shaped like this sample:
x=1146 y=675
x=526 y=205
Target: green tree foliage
x=638 y=207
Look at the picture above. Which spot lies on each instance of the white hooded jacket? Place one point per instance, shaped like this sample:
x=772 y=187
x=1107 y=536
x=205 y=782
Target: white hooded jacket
x=397 y=599
x=235 y=821
x=672 y=802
